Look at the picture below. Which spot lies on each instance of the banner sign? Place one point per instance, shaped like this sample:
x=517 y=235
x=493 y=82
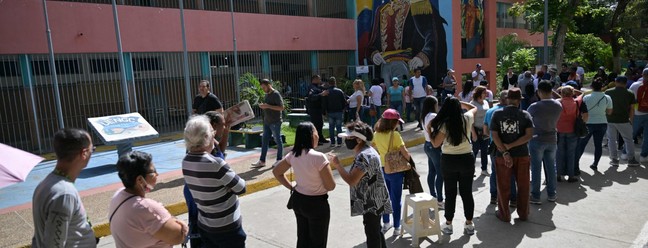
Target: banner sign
x=116 y=129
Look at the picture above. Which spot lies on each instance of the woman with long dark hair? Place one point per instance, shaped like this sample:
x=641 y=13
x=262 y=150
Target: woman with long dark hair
x=314 y=179
x=466 y=89
x=435 y=177
x=450 y=131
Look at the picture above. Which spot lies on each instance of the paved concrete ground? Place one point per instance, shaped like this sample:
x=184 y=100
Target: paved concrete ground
x=607 y=209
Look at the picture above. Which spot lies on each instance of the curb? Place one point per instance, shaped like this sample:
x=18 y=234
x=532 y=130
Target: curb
x=178 y=208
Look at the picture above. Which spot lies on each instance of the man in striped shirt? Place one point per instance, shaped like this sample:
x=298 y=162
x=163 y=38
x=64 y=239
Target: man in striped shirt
x=214 y=187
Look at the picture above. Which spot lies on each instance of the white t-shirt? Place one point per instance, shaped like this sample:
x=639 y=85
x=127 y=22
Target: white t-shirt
x=376 y=94
x=465 y=146
x=634 y=88
x=353 y=103
x=428 y=118
x=307 y=169
x=418 y=91
x=479 y=75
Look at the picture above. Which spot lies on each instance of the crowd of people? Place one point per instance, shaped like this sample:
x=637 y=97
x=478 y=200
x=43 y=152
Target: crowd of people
x=537 y=125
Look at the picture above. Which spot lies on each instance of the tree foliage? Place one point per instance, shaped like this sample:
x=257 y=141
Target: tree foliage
x=597 y=54
x=513 y=52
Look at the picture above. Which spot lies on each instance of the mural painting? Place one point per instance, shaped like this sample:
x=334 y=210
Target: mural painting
x=400 y=35
x=472 y=28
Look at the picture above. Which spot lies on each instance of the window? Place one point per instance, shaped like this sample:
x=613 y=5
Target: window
x=147 y=64
x=63 y=67
x=104 y=65
x=9 y=69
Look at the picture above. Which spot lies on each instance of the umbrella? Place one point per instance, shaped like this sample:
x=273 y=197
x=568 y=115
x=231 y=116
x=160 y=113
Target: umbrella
x=15 y=165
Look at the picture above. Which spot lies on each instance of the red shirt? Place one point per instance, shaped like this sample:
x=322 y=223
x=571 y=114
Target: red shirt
x=568 y=115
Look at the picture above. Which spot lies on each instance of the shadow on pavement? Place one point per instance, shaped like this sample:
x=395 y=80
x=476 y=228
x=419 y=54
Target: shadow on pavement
x=253 y=173
x=98 y=171
x=170 y=184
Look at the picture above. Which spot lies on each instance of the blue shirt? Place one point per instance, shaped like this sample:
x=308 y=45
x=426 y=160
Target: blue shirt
x=395 y=95
x=489 y=116
x=597 y=104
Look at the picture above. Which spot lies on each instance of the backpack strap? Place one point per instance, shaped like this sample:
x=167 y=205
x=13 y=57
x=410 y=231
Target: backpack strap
x=117 y=208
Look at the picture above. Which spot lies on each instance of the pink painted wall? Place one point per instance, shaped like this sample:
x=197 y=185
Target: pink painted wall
x=144 y=29
x=536 y=40
x=489 y=62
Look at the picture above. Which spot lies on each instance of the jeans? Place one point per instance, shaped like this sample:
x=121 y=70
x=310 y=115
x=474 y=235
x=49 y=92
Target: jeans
x=394 y=183
x=192 y=211
x=397 y=105
x=335 y=124
x=373 y=231
x=408 y=111
x=493 y=181
x=458 y=169
x=418 y=104
x=641 y=121
x=520 y=169
x=543 y=153
x=354 y=115
x=435 y=176
x=230 y=239
x=373 y=119
x=565 y=158
x=313 y=214
x=481 y=144
x=625 y=130
x=273 y=129
x=598 y=131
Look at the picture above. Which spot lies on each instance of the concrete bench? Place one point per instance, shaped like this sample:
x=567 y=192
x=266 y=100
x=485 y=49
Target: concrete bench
x=295 y=118
x=250 y=137
x=298 y=110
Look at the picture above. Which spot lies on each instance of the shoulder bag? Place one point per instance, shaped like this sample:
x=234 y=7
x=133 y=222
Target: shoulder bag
x=580 y=128
x=395 y=161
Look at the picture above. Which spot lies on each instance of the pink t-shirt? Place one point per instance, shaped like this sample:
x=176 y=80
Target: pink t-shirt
x=307 y=169
x=135 y=222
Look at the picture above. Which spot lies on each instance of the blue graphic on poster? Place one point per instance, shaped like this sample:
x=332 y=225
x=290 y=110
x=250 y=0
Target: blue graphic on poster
x=121 y=128
x=472 y=28
x=401 y=35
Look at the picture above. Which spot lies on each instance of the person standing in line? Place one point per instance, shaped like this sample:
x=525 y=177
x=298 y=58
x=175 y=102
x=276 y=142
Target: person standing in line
x=600 y=105
x=375 y=93
x=355 y=100
x=567 y=139
x=489 y=94
x=466 y=91
x=512 y=128
x=510 y=80
x=272 y=109
x=478 y=75
x=214 y=186
x=580 y=71
x=383 y=135
x=418 y=87
x=407 y=100
x=619 y=121
x=138 y=221
x=314 y=105
x=395 y=97
x=334 y=105
x=449 y=85
x=503 y=102
x=480 y=144
x=205 y=100
x=314 y=180
x=450 y=130
x=369 y=195
x=60 y=219
x=435 y=175
x=528 y=88
x=545 y=114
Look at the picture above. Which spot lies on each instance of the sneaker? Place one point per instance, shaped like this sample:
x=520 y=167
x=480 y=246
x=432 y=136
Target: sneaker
x=614 y=162
x=624 y=156
x=446 y=229
x=572 y=179
x=485 y=173
x=493 y=200
x=469 y=229
x=535 y=201
x=551 y=198
x=276 y=163
x=386 y=226
x=397 y=232
x=643 y=160
x=332 y=145
x=513 y=203
x=339 y=145
x=441 y=205
x=258 y=164
x=633 y=163
x=594 y=167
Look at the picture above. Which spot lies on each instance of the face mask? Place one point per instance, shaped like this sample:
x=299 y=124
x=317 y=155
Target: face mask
x=147 y=187
x=350 y=143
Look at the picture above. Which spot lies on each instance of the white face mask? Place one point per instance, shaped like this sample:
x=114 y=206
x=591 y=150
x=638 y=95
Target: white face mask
x=147 y=187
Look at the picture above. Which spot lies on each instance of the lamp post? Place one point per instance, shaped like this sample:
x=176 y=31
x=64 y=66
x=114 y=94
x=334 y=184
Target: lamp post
x=236 y=65
x=546 y=29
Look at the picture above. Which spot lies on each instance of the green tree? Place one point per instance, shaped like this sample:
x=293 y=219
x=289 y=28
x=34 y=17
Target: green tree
x=598 y=53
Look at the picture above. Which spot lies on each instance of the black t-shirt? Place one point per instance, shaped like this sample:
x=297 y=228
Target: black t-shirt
x=511 y=123
x=205 y=104
x=564 y=76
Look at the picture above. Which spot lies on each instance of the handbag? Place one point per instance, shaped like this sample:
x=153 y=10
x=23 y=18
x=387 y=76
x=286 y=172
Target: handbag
x=580 y=128
x=394 y=160
x=289 y=205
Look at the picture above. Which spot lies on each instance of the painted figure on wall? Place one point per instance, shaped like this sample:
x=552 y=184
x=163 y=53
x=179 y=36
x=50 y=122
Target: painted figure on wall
x=472 y=28
x=401 y=35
